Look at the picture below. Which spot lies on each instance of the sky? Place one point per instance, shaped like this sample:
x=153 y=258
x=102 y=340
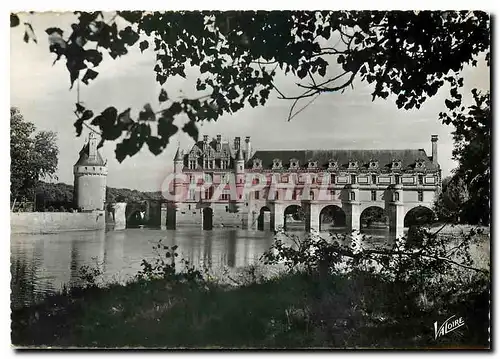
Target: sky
x=342 y=121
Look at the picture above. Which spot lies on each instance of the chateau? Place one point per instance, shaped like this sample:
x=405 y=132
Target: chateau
x=218 y=183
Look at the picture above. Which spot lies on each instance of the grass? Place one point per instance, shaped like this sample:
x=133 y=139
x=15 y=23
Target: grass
x=290 y=311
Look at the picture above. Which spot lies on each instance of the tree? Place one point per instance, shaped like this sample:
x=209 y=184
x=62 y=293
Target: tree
x=33 y=156
x=472 y=137
x=408 y=55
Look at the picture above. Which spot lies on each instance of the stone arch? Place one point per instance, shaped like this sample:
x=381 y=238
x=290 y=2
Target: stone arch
x=264 y=217
x=418 y=215
x=293 y=213
x=135 y=215
x=374 y=217
x=331 y=216
x=207 y=218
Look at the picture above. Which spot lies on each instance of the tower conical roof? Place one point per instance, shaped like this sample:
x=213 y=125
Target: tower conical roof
x=85 y=159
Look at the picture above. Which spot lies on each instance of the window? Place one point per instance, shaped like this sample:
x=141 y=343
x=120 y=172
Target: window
x=420 y=196
x=189 y=207
x=420 y=179
x=296 y=194
x=396 y=179
x=208 y=177
x=374 y=195
x=332 y=178
x=191 y=194
x=353 y=179
x=311 y=195
x=332 y=193
x=209 y=193
x=227 y=208
x=353 y=196
x=284 y=179
x=192 y=164
x=257 y=195
x=225 y=196
x=396 y=196
x=374 y=179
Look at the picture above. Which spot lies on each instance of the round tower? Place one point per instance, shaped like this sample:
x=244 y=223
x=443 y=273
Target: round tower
x=90 y=174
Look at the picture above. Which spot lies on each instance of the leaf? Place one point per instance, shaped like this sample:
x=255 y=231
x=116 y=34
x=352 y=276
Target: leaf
x=192 y=130
x=163 y=96
x=88 y=114
x=124 y=117
x=143 y=45
x=78 y=126
x=26 y=38
x=147 y=114
x=52 y=30
x=166 y=128
x=155 y=146
x=93 y=56
x=14 y=20
x=89 y=75
x=79 y=108
x=129 y=36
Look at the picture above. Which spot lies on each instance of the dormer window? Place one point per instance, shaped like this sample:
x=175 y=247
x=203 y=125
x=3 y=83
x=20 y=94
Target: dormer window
x=419 y=165
x=332 y=165
x=373 y=164
x=277 y=163
x=294 y=163
x=257 y=163
x=396 y=164
x=353 y=165
x=312 y=164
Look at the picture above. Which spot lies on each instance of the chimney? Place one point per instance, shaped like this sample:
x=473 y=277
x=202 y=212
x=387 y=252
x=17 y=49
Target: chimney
x=236 y=144
x=205 y=142
x=248 y=148
x=434 y=141
x=219 y=143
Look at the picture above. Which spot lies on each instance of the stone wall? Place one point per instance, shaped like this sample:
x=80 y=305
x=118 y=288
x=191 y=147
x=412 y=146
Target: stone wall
x=50 y=222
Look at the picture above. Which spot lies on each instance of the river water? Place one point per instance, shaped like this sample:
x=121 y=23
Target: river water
x=42 y=264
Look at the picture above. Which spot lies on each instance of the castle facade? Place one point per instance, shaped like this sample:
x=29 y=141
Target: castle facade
x=217 y=183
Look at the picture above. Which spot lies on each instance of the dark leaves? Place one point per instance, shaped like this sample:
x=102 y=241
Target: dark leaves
x=14 y=20
x=54 y=30
x=93 y=56
x=129 y=36
x=143 y=45
x=89 y=75
x=191 y=129
x=163 y=96
x=147 y=114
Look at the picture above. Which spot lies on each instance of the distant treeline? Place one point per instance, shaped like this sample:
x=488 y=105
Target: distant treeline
x=59 y=196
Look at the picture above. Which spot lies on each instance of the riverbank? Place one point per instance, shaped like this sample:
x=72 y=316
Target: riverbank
x=291 y=311
x=287 y=310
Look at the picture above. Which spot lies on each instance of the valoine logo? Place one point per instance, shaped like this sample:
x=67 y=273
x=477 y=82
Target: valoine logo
x=448 y=326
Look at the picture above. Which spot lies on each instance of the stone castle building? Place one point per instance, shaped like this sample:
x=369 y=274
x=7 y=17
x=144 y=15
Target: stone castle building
x=90 y=174
x=219 y=183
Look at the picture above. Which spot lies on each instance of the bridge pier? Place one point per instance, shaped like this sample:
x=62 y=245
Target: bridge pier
x=120 y=218
x=396 y=213
x=163 y=216
x=312 y=212
x=278 y=216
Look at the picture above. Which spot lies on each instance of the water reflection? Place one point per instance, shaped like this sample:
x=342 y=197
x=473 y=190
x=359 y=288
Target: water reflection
x=42 y=264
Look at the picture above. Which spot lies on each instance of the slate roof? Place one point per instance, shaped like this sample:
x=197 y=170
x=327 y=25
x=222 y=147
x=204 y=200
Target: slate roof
x=84 y=159
x=408 y=158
